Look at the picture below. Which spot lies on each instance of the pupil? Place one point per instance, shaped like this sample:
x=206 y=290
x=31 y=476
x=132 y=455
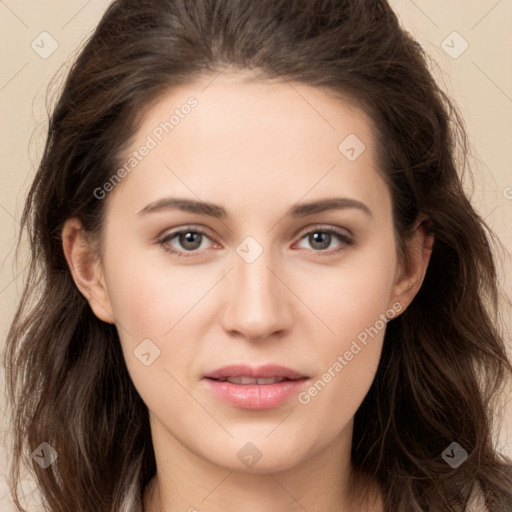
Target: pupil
x=188 y=238
x=317 y=238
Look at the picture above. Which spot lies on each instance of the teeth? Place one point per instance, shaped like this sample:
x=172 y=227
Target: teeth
x=270 y=380
x=252 y=380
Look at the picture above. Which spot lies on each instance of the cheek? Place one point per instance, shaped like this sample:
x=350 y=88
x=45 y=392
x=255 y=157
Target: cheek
x=353 y=304
x=157 y=306
x=352 y=297
x=347 y=363
x=148 y=308
x=147 y=293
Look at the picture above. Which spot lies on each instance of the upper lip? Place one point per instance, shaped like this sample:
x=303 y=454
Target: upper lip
x=265 y=371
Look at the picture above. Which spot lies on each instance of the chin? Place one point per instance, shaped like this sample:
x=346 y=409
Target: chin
x=258 y=456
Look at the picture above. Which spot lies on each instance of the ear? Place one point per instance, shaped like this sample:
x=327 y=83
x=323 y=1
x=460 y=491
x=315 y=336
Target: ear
x=85 y=266
x=418 y=251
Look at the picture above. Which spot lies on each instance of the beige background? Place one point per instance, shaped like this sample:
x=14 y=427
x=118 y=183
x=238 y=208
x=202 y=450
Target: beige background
x=479 y=79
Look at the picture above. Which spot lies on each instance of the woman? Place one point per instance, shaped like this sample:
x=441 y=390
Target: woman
x=256 y=370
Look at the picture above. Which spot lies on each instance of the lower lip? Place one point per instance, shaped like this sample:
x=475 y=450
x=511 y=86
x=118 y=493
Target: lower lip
x=256 y=396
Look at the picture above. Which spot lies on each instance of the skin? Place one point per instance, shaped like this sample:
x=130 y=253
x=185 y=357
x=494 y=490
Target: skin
x=255 y=148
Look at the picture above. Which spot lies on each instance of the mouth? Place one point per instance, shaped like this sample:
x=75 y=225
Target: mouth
x=262 y=387
x=252 y=374
x=244 y=381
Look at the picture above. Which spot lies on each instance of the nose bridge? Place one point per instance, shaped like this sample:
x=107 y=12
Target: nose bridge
x=256 y=306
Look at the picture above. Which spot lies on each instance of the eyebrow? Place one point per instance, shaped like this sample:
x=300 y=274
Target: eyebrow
x=218 y=212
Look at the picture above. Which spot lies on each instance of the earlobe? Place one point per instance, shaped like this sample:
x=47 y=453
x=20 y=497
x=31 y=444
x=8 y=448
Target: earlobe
x=85 y=268
x=418 y=250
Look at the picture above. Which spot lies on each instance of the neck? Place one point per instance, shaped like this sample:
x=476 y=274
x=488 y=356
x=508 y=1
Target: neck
x=186 y=482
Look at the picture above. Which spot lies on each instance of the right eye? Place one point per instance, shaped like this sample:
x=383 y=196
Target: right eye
x=190 y=240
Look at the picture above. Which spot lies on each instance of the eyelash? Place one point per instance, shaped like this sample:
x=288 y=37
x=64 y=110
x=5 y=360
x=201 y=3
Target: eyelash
x=164 y=240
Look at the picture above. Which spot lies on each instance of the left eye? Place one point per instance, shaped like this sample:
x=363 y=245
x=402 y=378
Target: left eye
x=191 y=240
x=322 y=238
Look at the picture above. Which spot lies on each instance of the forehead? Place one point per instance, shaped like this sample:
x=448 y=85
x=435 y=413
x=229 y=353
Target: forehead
x=235 y=137
x=229 y=102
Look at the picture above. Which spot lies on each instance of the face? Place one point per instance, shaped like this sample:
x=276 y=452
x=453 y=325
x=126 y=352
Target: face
x=256 y=272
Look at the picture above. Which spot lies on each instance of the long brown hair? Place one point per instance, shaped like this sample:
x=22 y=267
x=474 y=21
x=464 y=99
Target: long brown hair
x=444 y=360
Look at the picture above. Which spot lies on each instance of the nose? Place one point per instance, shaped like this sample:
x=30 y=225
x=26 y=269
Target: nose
x=258 y=304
